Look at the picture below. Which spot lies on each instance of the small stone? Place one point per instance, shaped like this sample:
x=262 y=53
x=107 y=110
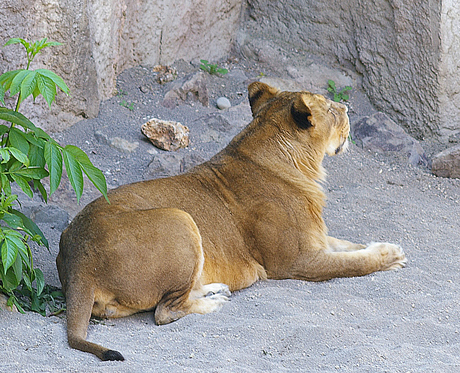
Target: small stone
x=223 y=103
x=166 y=135
x=144 y=89
x=102 y=138
x=165 y=73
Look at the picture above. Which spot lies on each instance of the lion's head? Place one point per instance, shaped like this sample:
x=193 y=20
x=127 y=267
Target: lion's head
x=303 y=117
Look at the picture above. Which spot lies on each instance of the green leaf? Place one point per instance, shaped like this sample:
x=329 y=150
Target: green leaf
x=40 y=280
x=14 y=166
x=15 y=41
x=41 y=134
x=28 y=85
x=74 y=172
x=5 y=154
x=7 y=78
x=19 y=155
x=9 y=281
x=23 y=184
x=15 y=238
x=53 y=159
x=331 y=84
x=16 y=118
x=17 y=140
x=37 y=154
x=94 y=174
x=35 y=173
x=28 y=282
x=31 y=226
x=33 y=139
x=3 y=129
x=47 y=88
x=97 y=178
x=8 y=201
x=2 y=94
x=17 y=269
x=16 y=83
x=6 y=187
x=36 y=92
x=9 y=254
x=55 y=78
x=13 y=221
x=27 y=260
x=38 y=185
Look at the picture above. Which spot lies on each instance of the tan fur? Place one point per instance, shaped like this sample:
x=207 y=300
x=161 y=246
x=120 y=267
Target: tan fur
x=254 y=211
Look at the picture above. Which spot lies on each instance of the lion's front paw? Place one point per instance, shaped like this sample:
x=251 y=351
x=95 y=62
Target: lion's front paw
x=392 y=256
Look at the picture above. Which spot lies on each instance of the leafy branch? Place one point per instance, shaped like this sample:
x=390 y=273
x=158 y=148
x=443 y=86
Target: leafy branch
x=27 y=156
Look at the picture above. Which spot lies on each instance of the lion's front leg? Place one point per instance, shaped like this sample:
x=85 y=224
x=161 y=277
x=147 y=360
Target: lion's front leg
x=336 y=245
x=324 y=264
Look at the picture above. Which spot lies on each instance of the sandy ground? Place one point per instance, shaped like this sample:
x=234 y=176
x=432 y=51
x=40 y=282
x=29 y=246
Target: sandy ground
x=398 y=321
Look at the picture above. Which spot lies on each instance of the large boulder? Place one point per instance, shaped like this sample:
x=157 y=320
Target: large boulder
x=380 y=134
x=447 y=163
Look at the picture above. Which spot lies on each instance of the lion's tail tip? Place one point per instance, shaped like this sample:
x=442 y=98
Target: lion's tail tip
x=112 y=355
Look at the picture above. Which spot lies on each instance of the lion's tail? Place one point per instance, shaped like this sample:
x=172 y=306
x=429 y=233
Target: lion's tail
x=80 y=301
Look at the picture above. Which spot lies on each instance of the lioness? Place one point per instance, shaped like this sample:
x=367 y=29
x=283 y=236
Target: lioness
x=179 y=245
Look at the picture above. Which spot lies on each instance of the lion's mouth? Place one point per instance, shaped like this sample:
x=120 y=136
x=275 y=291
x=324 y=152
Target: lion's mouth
x=343 y=146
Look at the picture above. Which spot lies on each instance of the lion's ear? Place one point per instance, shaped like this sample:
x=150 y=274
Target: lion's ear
x=259 y=93
x=301 y=112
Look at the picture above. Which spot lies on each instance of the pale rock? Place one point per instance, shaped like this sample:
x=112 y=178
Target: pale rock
x=116 y=142
x=166 y=135
x=447 y=163
x=223 y=103
x=123 y=145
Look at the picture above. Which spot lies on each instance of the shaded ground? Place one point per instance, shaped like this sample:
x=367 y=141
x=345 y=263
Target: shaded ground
x=402 y=321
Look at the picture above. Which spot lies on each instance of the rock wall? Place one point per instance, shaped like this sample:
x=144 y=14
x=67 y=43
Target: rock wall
x=449 y=78
x=406 y=51
x=104 y=37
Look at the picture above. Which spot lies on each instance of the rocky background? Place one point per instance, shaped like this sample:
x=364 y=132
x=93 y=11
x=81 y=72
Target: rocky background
x=402 y=54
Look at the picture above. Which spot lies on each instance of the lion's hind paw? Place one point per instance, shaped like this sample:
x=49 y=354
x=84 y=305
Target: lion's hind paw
x=216 y=289
x=210 y=298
